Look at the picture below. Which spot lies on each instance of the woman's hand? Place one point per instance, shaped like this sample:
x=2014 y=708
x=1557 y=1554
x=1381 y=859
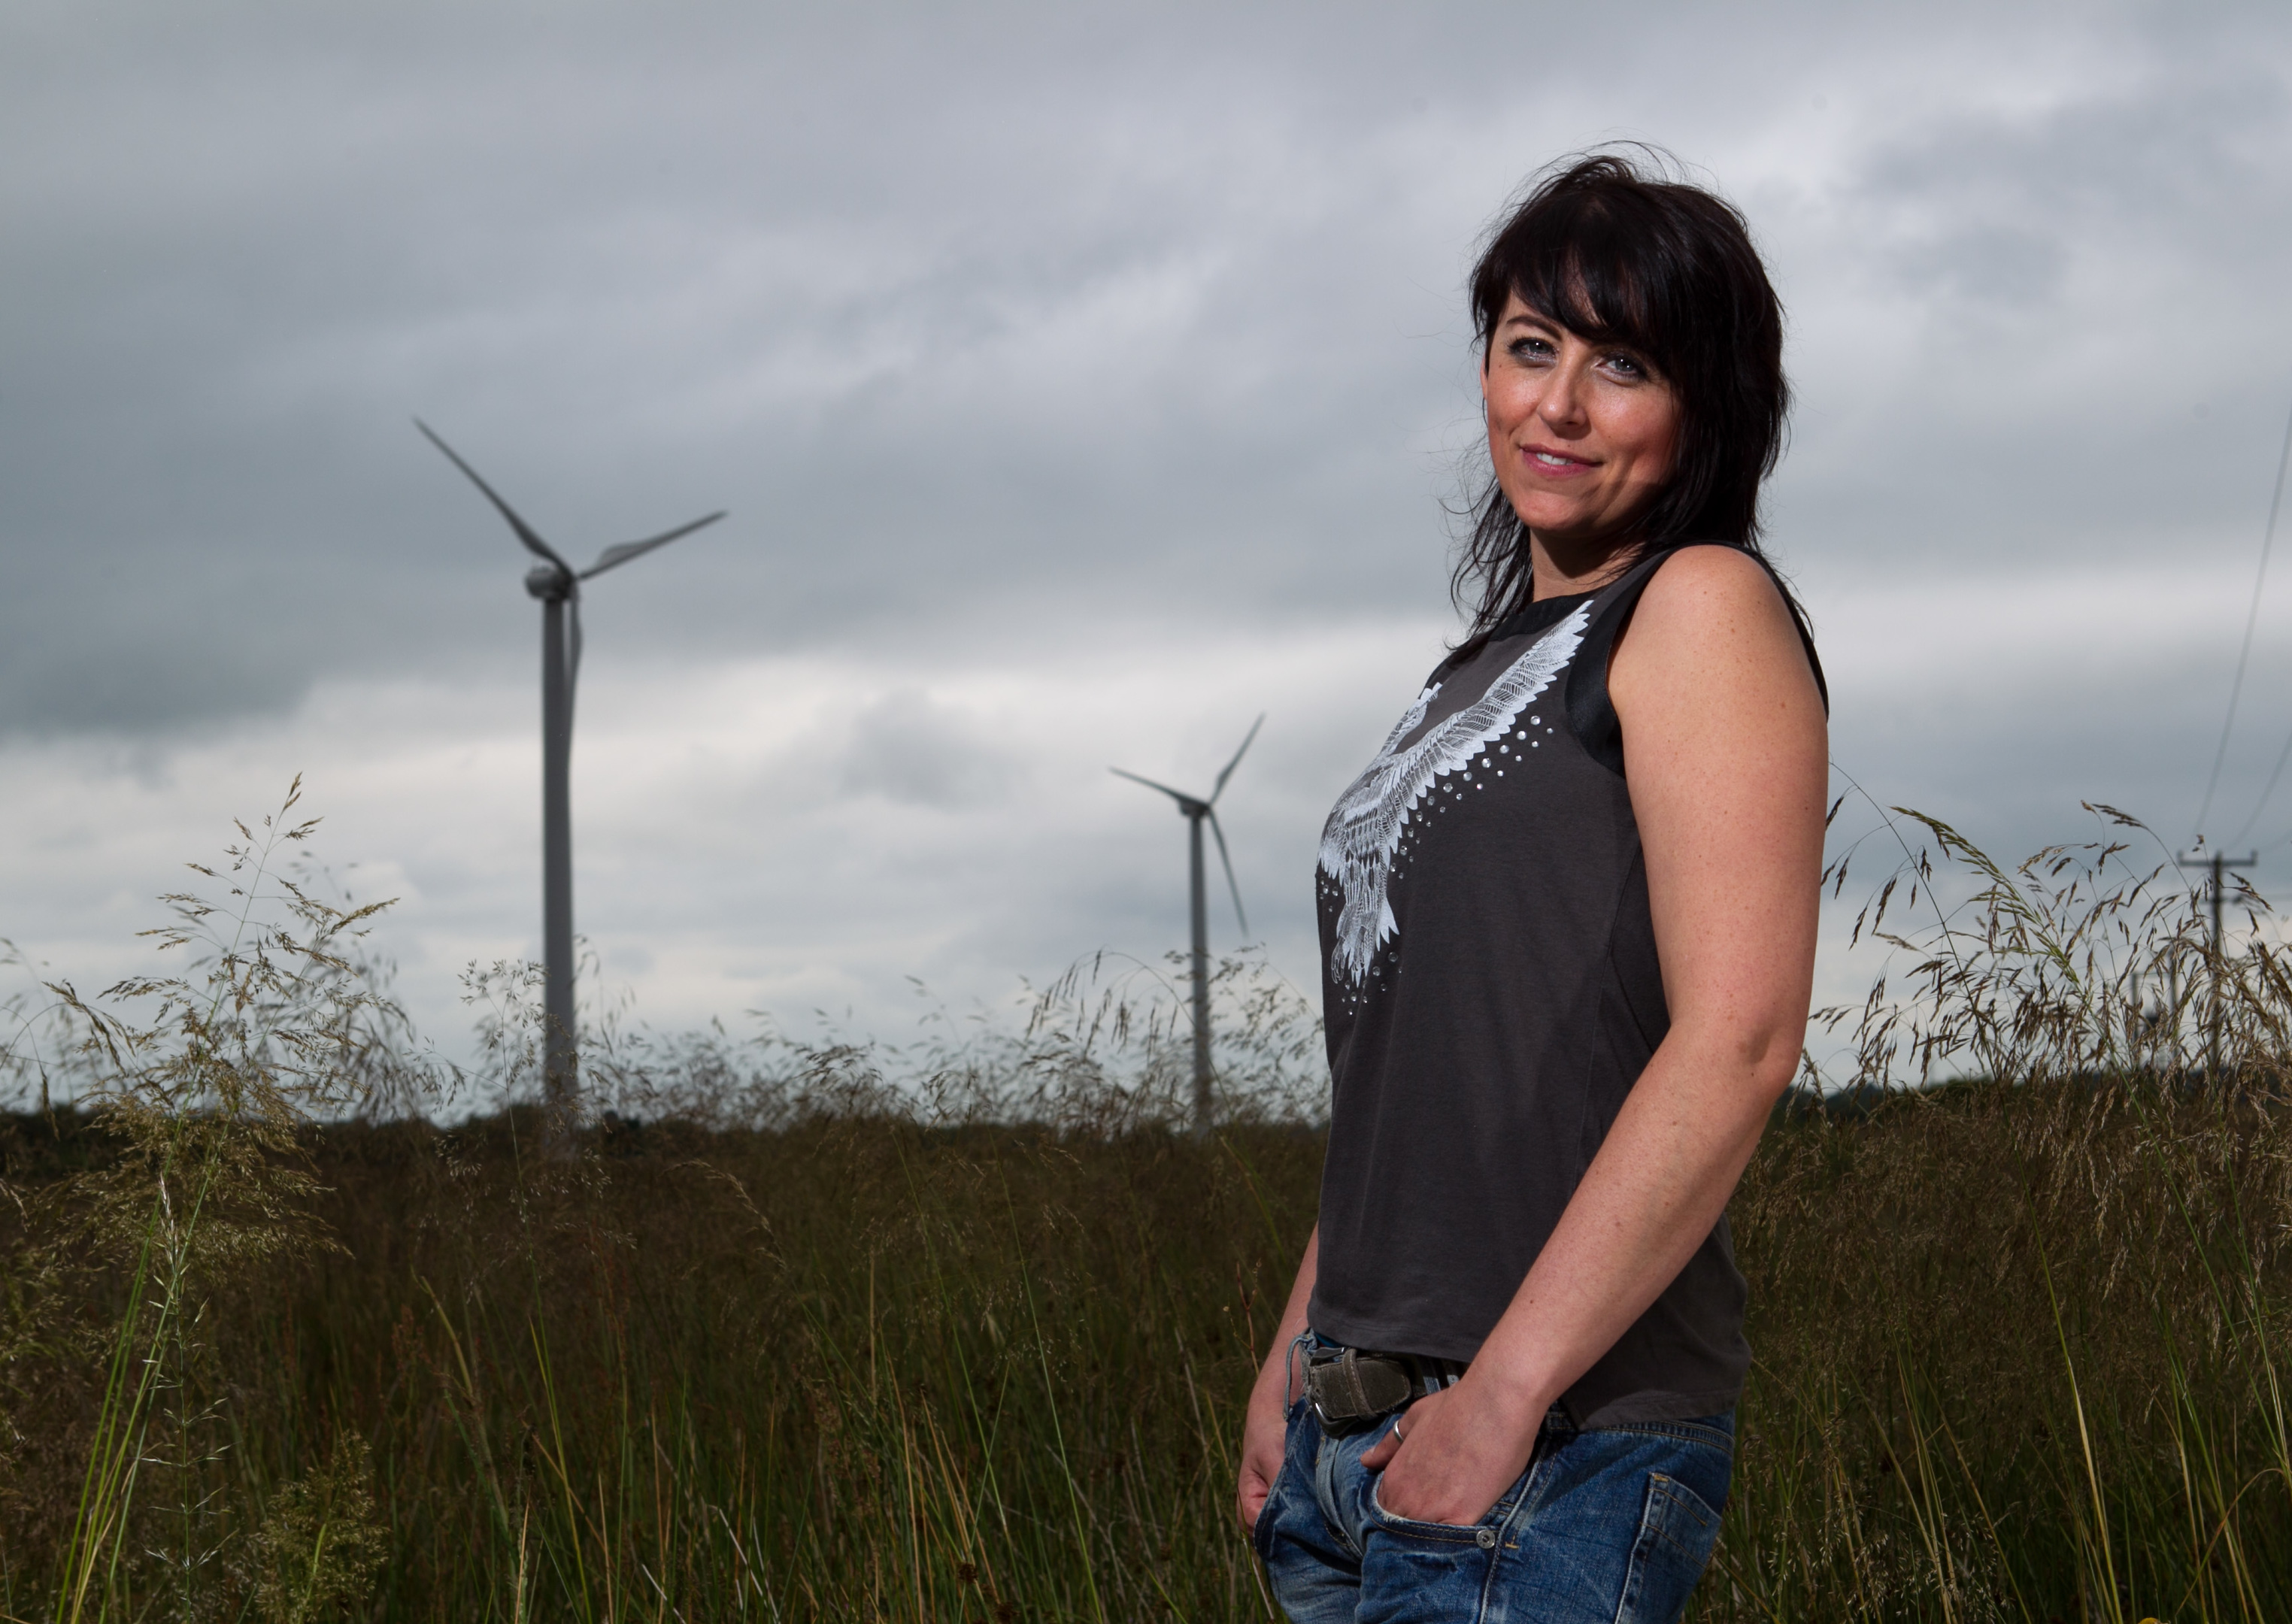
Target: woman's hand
x=1451 y=1455
x=1266 y=1431
x=1264 y=1443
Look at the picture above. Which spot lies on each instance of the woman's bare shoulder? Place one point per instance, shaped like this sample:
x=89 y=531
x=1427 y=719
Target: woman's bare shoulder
x=1707 y=606
x=1698 y=580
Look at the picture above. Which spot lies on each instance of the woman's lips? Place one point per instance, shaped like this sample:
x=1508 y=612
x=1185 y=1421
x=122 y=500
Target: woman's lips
x=1555 y=464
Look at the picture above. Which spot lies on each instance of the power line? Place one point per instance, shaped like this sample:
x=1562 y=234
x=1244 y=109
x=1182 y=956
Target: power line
x=2244 y=655
x=2283 y=757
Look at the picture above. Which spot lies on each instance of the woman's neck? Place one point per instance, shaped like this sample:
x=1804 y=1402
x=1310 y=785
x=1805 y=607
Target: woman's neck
x=1563 y=568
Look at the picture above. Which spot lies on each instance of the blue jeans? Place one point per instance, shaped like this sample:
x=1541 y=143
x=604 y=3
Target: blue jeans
x=1612 y=1525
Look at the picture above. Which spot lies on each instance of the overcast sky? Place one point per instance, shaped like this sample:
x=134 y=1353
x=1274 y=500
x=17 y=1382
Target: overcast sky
x=1082 y=381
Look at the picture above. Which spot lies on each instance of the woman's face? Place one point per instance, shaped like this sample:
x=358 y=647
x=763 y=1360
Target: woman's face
x=1581 y=434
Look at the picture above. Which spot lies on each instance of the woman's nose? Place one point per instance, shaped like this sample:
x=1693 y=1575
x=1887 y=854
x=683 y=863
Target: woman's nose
x=1562 y=405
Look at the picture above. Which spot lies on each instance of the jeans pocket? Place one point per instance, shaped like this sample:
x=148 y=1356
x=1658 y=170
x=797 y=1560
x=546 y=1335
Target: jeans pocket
x=1715 y=1433
x=1482 y=1533
x=1678 y=1530
x=1261 y=1531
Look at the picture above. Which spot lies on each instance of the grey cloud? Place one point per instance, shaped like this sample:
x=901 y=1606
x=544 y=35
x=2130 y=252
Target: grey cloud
x=1031 y=335
x=222 y=395
x=909 y=750
x=1995 y=265
x=2170 y=171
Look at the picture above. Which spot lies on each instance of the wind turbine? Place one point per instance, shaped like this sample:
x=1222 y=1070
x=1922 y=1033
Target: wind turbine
x=558 y=585
x=1197 y=811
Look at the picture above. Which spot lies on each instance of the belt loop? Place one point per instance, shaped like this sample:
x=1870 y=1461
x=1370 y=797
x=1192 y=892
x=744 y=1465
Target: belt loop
x=1434 y=1374
x=1289 y=1364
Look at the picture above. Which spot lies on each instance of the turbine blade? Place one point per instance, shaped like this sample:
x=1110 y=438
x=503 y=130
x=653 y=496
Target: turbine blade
x=524 y=531
x=1238 y=754
x=572 y=664
x=1231 y=883
x=1180 y=796
x=614 y=556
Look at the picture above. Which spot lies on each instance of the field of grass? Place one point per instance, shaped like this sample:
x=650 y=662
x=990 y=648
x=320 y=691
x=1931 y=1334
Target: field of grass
x=804 y=1346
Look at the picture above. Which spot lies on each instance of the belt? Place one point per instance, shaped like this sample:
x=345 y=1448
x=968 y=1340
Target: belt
x=1349 y=1387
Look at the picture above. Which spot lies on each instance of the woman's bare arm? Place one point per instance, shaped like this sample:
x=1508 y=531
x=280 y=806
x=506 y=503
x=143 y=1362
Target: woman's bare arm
x=1725 y=751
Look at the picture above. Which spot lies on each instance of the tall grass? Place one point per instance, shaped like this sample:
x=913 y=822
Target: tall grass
x=963 y=1329
x=2020 y=1334
x=855 y=1368
x=201 y=1082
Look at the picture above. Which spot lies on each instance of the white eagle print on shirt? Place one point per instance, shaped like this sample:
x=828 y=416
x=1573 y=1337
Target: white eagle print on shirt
x=1364 y=832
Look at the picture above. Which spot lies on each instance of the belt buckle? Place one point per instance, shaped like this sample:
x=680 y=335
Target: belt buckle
x=1349 y=1387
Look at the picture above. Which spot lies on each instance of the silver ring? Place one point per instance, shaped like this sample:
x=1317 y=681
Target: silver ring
x=1396 y=1430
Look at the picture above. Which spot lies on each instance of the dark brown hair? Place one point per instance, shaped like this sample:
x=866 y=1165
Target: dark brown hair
x=1618 y=254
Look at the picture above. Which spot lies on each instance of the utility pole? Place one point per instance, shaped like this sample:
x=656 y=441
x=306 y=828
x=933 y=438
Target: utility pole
x=2218 y=864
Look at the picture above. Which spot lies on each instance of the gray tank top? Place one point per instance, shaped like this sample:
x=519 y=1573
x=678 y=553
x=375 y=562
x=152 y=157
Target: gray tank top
x=1491 y=992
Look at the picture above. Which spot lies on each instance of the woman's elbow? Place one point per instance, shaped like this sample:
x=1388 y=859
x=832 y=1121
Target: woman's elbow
x=1756 y=1059
x=1774 y=1071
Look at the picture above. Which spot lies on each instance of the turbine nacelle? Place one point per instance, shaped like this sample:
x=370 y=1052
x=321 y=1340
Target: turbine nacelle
x=553 y=577
x=1195 y=809
x=553 y=580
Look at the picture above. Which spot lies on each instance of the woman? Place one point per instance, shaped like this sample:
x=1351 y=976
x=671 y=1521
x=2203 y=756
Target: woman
x=1568 y=921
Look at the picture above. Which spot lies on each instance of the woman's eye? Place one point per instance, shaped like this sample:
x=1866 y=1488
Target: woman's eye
x=1531 y=349
x=1624 y=366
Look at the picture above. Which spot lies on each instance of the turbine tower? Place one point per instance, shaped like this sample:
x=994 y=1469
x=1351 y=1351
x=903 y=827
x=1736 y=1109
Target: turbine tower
x=1197 y=811
x=558 y=585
